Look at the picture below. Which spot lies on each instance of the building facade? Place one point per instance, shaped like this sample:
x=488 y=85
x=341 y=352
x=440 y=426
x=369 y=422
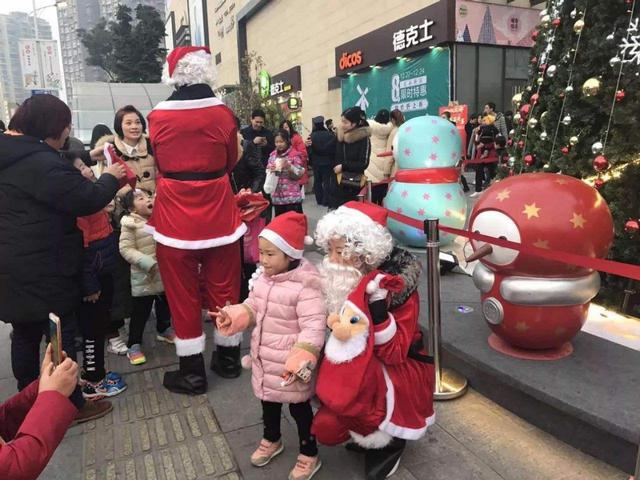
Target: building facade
x=14 y=27
x=473 y=53
x=108 y=8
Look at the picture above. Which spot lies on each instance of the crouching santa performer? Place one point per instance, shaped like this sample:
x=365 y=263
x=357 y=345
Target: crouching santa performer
x=376 y=380
x=195 y=220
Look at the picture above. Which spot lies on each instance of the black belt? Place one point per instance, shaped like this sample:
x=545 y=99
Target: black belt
x=415 y=352
x=194 y=176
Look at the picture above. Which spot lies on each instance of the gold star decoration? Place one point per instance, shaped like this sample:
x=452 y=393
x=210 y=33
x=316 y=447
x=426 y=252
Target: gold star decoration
x=503 y=195
x=542 y=244
x=531 y=211
x=522 y=327
x=578 y=220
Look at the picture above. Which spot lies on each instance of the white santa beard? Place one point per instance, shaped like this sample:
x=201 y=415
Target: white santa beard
x=337 y=351
x=338 y=281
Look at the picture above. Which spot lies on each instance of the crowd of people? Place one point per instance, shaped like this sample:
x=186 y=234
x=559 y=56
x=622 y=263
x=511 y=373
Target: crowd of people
x=148 y=219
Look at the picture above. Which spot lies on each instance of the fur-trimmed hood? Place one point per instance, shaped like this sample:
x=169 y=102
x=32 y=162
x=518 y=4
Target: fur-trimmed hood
x=353 y=136
x=406 y=265
x=141 y=148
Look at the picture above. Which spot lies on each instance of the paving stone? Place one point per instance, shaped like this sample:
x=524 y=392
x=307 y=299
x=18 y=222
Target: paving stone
x=462 y=465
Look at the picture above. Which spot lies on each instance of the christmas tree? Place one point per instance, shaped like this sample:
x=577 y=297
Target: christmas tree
x=578 y=114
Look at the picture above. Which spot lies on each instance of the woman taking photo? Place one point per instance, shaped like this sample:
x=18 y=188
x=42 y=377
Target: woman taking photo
x=297 y=145
x=41 y=195
x=352 y=157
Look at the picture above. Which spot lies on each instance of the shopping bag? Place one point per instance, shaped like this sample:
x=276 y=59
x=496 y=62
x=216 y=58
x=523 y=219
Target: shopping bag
x=251 y=205
x=250 y=240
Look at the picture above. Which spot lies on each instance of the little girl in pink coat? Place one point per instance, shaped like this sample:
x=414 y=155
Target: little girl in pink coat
x=287 y=309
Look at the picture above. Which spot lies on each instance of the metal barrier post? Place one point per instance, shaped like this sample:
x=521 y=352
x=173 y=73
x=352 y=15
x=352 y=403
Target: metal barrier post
x=361 y=197
x=369 y=190
x=637 y=472
x=449 y=384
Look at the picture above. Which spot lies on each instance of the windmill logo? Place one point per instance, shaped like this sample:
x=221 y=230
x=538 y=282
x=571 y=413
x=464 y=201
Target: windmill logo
x=362 y=102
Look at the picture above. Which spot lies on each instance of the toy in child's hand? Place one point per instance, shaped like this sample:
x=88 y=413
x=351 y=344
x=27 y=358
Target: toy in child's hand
x=303 y=374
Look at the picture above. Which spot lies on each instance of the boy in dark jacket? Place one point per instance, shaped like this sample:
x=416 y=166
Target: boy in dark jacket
x=99 y=262
x=322 y=152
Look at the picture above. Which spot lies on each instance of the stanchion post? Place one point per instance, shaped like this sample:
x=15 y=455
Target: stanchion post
x=449 y=384
x=369 y=191
x=637 y=472
x=361 y=197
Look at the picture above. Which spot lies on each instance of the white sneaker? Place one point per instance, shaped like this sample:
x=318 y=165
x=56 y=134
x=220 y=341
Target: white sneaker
x=117 y=346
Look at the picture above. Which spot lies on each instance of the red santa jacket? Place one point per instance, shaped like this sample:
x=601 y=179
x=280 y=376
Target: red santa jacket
x=32 y=426
x=193 y=132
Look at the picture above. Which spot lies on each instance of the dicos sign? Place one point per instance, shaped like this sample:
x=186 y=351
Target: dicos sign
x=350 y=60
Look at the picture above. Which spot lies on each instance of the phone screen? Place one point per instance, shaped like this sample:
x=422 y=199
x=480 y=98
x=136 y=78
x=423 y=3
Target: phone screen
x=56 y=338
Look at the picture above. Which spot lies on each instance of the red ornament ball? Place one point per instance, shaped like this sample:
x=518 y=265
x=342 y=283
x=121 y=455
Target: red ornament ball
x=521 y=144
x=600 y=163
x=534 y=99
x=525 y=109
x=632 y=226
x=620 y=94
x=598 y=184
x=534 y=60
x=565 y=150
x=556 y=22
x=542 y=68
x=534 y=35
x=510 y=142
x=529 y=160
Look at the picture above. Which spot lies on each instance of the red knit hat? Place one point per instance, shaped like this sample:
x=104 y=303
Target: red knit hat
x=288 y=232
x=179 y=52
x=373 y=212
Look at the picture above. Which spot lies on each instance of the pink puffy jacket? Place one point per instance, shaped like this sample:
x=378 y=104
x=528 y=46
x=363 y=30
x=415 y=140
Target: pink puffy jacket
x=289 y=308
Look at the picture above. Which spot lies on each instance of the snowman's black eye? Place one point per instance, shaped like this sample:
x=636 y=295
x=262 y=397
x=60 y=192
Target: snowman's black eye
x=354 y=320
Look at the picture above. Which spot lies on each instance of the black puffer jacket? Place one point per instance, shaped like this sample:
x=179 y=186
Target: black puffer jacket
x=352 y=152
x=40 y=246
x=249 y=171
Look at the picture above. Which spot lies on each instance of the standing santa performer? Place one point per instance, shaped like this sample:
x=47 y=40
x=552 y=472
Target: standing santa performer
x=195 y=220
x=381 y=341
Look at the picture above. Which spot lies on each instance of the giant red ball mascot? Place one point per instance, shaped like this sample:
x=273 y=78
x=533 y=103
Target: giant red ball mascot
x=530 y=302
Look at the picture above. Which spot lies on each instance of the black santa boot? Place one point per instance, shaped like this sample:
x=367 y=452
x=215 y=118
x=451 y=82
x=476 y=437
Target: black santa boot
x=383 y=462
x=225 y=360
x=190 y=379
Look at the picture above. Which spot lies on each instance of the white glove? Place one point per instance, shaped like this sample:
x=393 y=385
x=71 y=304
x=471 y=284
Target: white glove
x=375 y=291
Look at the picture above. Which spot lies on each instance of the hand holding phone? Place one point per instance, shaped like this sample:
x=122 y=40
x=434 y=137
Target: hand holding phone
x=55 y=339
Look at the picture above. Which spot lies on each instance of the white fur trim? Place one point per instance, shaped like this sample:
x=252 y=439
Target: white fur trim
x=196 y=244
x=371 y=287
x=383 y=336
x=254 y=277
x=395 y=430
x=189 y=104
x=362 y=217
x=377 y=439
x=308 y=240
x=337 y=351
x=281 y=243
x=189 y=346
x=223 y=341
x=246 y=362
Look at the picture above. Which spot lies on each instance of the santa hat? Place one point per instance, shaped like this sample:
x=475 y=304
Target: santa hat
x=367 y=212
x=178 y=53
x=288 y=232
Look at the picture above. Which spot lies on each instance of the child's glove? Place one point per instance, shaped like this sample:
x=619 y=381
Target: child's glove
x=232 y=319
x=299 y=357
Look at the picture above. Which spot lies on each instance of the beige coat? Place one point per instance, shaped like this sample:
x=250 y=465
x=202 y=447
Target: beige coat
x=141 y=162
x=139 y=249
x=379 y=167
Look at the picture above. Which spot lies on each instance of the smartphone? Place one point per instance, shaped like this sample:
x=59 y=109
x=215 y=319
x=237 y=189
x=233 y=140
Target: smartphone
x=55 y=336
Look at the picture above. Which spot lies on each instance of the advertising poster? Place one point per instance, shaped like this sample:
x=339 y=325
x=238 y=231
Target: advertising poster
x=50 y=64
x=416 y=86
x=495 y=24
x=29 y=64
x=196 y=22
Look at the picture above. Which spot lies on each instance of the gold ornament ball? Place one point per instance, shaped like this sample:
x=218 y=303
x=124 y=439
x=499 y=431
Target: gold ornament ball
x=532 y=122
x=573 y=141
x=517 y=117
x=529 y=88
x=578 y=26
x=591 y=87
x=543 y=117
x=544 y=136
x=545 y=21
x=516 y=99
x=540 y=80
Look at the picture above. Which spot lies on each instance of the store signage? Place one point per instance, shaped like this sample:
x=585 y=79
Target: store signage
x=294 y=103
x=281 y=84
x=350 y=60
x=415 y=87
x=427 y=27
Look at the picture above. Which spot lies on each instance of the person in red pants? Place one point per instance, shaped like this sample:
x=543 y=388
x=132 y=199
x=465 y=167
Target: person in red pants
x=195 y=220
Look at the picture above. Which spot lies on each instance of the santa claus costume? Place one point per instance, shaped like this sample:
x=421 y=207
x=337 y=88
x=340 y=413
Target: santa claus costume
x=376 y=387
x=195 y=220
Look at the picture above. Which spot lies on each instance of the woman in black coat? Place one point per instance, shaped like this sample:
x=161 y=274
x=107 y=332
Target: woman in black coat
x=322 y=152
x=41 y=196
x=352 y=156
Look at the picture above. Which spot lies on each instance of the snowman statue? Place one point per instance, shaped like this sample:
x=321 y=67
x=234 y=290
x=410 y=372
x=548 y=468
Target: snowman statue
x=426 y=185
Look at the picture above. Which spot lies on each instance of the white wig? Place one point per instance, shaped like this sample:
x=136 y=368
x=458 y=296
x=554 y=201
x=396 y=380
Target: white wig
x=192 y=69
x=365 y=241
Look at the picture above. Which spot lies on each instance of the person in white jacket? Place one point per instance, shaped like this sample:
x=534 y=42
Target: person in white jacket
x=379 y=167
